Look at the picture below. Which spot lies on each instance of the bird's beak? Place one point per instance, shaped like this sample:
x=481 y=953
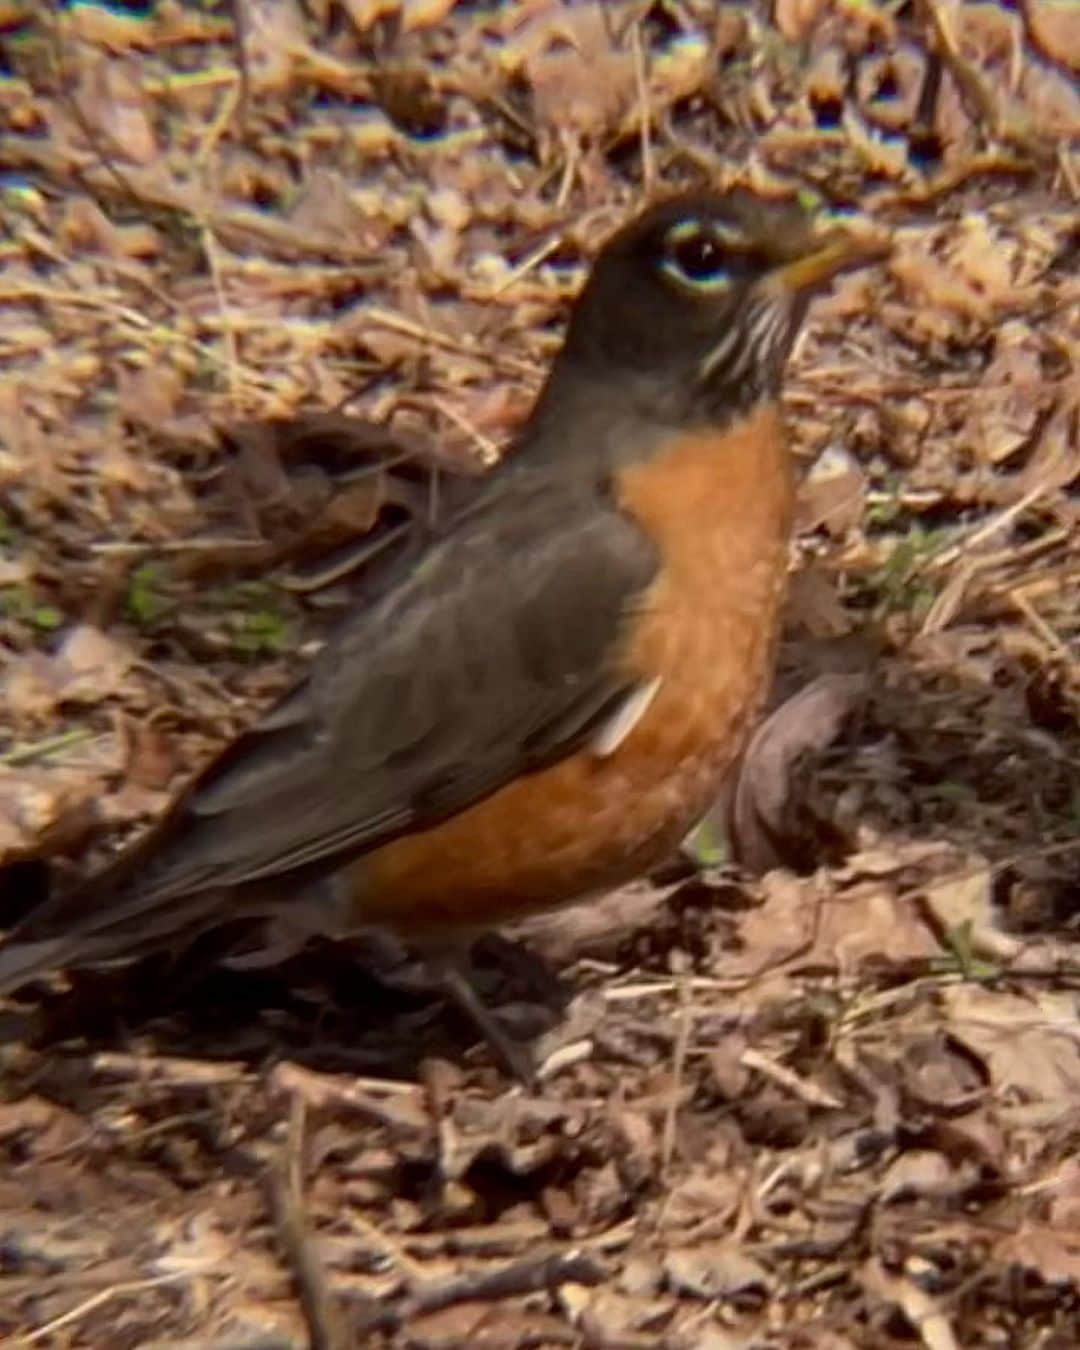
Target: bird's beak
x=828 y=251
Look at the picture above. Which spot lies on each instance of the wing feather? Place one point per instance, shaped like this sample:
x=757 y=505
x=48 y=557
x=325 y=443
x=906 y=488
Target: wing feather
x=494 y=656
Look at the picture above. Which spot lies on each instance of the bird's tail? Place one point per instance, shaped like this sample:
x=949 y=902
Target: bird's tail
x=96 y=925
x=21 y=962
x=93 y=925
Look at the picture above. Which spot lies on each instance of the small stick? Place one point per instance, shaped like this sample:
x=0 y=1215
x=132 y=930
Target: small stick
x=325 y=1325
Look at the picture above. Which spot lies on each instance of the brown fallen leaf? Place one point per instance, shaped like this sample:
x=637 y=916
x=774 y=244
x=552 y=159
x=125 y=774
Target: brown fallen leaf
x=924 y=1173
x=1029 y=1043
x=275 y=43
x=42 y=812
x=30 y=688
x=1013 y=398
x=832 y=496
x=366 y=13
x=800 y=922
x=105 y=27
x=761 y=827
x=941 y=1076
x=1053 y=1254
x=153 y=761
x=579 y=77
x=39 y=1125
x=716 y=1270
x=815 y=604
x=1051 y=101
x=417 y=14
x=113 y=101
x=327 y=493
x=1055 y=27
x=90 y=665
x=796 y=18
x=1063 y=1207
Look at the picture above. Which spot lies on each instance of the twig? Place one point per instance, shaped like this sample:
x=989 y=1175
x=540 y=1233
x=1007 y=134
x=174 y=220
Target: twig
x=230 y=348
x=1039 y=625
x=520 y=1277
x=510 y=1281
x=325 y=1324
x=27 y=754
x=124 y=548
x=528 y=264
x=806 y=1092
x=678 y=1069
x=321 y=1089
x=398 y=323
x=572 y=148
x=577 y=1052
x=488 y=449
x=170 y=1069
x=641 y=80
x=259 y=1340
x=241 y=36
x=650 y=988
x=104 y=1296
x=985 y=530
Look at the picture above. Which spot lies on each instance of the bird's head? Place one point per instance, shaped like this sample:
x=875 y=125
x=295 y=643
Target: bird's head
x=693 y=307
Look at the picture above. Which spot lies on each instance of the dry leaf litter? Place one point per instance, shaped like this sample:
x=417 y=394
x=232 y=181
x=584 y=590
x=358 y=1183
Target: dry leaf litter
x=831 y=1108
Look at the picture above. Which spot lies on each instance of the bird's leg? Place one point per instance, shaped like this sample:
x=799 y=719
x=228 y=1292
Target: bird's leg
x=452 y=970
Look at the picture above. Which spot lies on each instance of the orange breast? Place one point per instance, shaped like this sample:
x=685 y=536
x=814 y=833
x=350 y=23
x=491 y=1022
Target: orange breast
x=719 y=507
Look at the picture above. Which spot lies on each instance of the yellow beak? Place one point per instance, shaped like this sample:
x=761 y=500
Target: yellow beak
x=833 y=250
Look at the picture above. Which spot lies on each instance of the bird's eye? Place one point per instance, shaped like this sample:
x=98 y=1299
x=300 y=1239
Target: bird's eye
x=695 y=257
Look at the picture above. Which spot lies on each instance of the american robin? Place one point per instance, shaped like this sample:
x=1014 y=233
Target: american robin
x=540 y=706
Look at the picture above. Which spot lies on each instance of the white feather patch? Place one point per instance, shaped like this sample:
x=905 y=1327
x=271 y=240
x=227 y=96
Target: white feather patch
x=624 y=719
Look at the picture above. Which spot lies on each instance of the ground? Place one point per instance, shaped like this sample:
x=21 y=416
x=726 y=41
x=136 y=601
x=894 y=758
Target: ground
x=828 y=1101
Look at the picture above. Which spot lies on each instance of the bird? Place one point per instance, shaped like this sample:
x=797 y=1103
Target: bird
x=537 y=707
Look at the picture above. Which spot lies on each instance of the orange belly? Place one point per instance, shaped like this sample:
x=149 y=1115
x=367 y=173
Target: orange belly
x=719 y=508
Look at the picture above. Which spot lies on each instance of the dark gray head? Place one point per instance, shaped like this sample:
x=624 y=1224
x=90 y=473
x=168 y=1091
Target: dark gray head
x=691 y=310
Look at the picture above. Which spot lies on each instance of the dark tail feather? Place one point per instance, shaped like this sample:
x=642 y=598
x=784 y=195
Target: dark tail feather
x=21 y=962
x=84 y=929
x=72 y=928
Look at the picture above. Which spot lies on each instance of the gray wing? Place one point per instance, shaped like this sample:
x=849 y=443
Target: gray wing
x=493 y=657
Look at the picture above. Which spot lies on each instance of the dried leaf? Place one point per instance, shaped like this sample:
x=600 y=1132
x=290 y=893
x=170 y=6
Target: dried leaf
x=579 y=79
x=1052 y=1254
x=713 y=1270
x=925 y=1173
x=42 y=812
x=1030 y=1044
x=796 y=19
x=276 y=42
x=90 y=665
x=108 y=27
x=833 y=493
x=864 y=924
x=815 y=604
x=760 y=824
x=1013 y=395
x=1055 y=26
x=114 y=101
x=153 y=762
x=1051 y=102
x=366 y=13
x=418 y=14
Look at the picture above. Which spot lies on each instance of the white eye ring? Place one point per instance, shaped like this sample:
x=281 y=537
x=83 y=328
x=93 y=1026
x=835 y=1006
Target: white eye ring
x=681 y=238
